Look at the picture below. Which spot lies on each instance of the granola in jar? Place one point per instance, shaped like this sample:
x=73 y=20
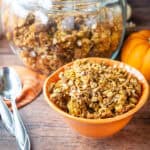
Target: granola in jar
x=95 y=90
x=46 y=40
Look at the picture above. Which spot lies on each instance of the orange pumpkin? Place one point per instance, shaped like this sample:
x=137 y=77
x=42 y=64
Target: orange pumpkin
x=136 y=51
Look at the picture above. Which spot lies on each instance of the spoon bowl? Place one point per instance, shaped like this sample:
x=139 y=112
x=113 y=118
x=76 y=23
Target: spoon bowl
x=10 y=83
x=10 y=88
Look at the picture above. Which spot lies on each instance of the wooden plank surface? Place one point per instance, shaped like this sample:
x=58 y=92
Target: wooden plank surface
x=47 y=129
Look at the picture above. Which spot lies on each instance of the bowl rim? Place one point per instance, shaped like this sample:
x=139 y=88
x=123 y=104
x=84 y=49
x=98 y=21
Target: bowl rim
x=143 y=99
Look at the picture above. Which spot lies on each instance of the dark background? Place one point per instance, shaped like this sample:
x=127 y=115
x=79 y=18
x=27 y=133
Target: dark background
x=141 y=13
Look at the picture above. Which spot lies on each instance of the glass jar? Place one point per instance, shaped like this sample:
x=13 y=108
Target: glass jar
x=47 y=34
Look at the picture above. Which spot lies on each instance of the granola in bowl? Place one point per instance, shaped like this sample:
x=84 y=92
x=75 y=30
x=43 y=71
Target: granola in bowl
x=95 y=90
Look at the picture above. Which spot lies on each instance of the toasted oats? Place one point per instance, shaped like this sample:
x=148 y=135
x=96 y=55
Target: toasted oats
x=65 y=37
x=95 y=90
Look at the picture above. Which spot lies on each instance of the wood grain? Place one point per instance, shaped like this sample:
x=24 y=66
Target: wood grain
x=47 y=129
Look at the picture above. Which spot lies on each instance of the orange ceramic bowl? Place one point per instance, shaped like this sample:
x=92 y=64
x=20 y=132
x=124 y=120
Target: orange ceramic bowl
x=99 y=128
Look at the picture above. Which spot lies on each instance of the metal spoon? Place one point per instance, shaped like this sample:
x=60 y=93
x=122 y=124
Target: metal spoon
x=6 y=117
x=10 y=88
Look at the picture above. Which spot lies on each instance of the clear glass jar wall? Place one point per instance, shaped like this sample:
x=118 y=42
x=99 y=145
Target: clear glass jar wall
x=47 y=34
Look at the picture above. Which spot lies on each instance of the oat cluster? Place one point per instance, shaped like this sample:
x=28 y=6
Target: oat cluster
x=63 y=37
x=92 y=90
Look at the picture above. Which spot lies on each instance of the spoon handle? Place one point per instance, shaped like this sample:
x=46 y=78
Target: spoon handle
x=20 y=130
x=6 y=116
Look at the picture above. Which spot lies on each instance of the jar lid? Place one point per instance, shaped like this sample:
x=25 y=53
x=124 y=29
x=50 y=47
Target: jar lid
x=48 y=4
x=34 y=4
x=69 y=4
x=28 y=3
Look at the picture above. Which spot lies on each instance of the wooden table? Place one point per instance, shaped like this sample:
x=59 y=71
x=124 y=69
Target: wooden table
x=48 y=131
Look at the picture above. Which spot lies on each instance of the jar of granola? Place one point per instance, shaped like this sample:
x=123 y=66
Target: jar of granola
x=46 y=34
